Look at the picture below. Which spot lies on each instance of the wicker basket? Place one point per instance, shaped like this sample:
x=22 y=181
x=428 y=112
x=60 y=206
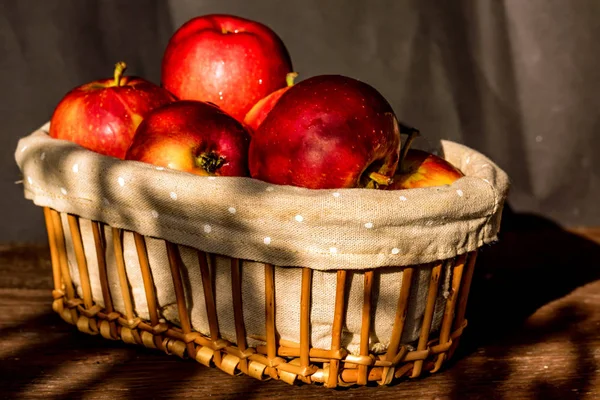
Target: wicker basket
x=275 y=357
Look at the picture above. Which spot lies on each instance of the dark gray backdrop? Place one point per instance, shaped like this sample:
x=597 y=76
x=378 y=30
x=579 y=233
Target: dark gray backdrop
x=517 y=80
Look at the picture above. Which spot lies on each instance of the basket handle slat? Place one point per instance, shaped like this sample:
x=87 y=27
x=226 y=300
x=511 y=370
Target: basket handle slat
x=365 y=329
x=184 y=318
x=97 y=229
x=446 y=327
x=428 y=317
x=305 y=317
x=53 y=249
x=338 y=323
x=61 y=247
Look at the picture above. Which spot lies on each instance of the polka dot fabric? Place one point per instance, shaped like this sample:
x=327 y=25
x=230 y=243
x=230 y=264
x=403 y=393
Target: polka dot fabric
x=280 y=225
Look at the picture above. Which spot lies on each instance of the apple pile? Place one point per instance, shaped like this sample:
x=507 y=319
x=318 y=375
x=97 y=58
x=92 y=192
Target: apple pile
x=228 y=106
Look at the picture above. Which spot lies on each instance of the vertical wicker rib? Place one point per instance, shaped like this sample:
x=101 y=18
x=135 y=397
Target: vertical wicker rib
x=336 y=332
x=395 y=353
x=184 y=318
x=53 y=251
x=428 y=318
x=108 y=328
x=61 y=249
x=85 y=323
x=270 y=319
x=240 y=329
x=305 y=324
x=209 y=299
x=150 y=340
x=365 y=330
x=278 y=358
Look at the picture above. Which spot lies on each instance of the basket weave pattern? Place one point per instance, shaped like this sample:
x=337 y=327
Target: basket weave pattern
x=277 y=358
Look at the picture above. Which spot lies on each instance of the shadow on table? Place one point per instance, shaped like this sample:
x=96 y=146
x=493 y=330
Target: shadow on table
x=534 y=263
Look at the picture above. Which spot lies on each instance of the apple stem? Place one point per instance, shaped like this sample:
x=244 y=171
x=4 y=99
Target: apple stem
x=412 y=134
x=289 y=78
x=210 y=162
x=120 y=67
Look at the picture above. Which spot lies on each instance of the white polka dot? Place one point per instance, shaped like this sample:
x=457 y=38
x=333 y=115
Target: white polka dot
x=232 y=210
x=270 y=189
x=76 y=168
x=459 y=192
x=395 y=250
x=212 y=178
x=207 y=228
x=63 y=191
x=369 y=225
x=402 y=198
x=43 y=156
x=121 y=181
x=29 y=180
x=23 y=148
x=160 y=168
x=336 y=194
x=267 y=240
x=333 y=250
x=173 y=195
x=154 y=213
x=299 y=218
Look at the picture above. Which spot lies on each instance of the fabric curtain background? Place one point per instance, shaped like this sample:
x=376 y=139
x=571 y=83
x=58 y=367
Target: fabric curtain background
x=516 y=80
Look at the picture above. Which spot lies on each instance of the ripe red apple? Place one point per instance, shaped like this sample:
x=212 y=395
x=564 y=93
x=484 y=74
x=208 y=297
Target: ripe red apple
x=422 y=169
x=227 y=60
x=261 y=109
x=103 y=115
x=192 y=136
x=328 y=131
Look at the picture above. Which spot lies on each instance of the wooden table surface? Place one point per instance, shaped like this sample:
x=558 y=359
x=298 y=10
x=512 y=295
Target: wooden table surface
x=534 y=333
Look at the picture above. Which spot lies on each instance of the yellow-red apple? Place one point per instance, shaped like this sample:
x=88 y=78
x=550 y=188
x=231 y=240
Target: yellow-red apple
x=194 y=137
x=422 y=169
x=103 y=115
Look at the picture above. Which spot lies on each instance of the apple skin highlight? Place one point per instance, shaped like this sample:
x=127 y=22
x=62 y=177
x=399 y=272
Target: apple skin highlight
x=226 y=60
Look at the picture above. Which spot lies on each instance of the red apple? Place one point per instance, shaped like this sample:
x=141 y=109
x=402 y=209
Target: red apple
x=422 y=169
x=192 y=136
x=259 y=111
x=328 y=131
x=227 y=60
x=103 y=115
